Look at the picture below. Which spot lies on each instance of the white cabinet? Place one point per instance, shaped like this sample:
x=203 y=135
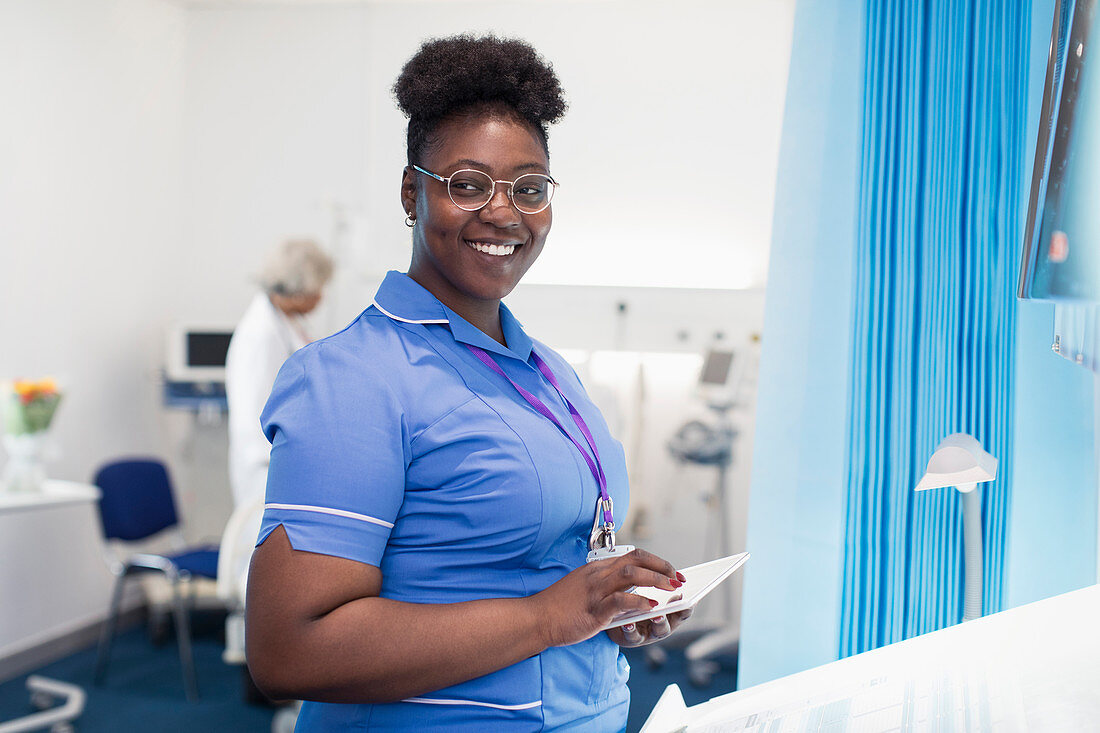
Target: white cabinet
x=53 y=578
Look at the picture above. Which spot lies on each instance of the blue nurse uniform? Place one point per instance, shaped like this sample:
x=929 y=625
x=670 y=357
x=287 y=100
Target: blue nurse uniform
x=392 y=445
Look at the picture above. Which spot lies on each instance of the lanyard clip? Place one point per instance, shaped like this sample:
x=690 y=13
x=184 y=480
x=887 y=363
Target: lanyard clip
x=603 y=530
x=602 y=538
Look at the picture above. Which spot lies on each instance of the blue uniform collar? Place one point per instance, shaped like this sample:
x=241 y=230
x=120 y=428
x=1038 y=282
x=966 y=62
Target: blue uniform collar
x=405 y=300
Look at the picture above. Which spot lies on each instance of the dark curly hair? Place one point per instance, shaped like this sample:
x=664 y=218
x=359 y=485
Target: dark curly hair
x=463 y=75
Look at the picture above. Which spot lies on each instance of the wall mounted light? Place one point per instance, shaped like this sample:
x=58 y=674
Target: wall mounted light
x=960 y=461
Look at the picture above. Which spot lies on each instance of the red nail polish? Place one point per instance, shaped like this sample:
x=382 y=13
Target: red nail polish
x=680 y=577
x=652 y=603
x=675 y=583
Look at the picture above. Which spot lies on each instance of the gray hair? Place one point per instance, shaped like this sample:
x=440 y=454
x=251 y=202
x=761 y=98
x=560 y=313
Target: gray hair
x=297 y=267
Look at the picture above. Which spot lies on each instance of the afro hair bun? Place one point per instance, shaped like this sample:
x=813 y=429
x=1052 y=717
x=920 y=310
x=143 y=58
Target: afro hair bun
x=449 y=74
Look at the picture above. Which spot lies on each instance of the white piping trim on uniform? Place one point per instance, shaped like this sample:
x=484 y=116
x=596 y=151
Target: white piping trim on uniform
x=329 y=510
x=437 y=701
x=406 y=320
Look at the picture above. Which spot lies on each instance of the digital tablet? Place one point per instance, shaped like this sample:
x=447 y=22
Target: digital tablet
x=699 y=580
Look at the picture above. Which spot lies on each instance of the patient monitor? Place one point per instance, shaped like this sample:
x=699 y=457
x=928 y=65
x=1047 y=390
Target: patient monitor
x=718 y=379
x=197 y=353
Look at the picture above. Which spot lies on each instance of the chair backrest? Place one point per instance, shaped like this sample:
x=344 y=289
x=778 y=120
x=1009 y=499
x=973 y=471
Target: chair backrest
x=137 y=499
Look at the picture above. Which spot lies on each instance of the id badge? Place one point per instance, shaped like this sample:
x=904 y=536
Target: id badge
x=604 y=553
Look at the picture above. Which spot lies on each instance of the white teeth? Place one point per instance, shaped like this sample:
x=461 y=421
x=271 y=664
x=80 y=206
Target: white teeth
x=493 y=249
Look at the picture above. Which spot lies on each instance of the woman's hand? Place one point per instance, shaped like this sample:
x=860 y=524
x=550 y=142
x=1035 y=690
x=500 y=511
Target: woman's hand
x=582 y=603
x=647 y=632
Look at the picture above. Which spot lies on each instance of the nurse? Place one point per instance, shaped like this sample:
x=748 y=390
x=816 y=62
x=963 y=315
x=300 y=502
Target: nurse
x=438 y=477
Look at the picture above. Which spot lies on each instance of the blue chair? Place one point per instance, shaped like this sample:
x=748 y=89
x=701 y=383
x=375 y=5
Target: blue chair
x=137 y=503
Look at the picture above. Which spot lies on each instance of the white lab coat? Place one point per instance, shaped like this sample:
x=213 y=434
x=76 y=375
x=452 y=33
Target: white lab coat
x=261 y=343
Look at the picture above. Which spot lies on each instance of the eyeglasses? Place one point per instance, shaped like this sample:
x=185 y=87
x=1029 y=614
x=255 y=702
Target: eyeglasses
x=471 y=189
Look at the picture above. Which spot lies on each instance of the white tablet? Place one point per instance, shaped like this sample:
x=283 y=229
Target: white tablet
x=699 y=580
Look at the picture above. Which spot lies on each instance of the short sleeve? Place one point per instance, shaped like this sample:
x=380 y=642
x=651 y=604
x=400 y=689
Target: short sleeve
x=339 y=452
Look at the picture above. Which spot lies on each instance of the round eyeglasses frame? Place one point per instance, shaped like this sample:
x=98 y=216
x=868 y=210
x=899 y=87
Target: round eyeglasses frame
x=446 y=180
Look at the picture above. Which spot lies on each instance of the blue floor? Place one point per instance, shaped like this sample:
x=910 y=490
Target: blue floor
x=144 y=688
x=646 y=684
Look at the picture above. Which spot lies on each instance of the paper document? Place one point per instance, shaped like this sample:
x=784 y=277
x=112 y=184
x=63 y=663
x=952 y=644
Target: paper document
x=699 y=580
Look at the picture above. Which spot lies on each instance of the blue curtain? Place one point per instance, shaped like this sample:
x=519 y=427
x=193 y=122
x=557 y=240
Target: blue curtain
x=944 y=119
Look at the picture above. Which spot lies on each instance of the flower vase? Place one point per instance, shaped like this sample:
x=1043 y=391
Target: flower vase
x=24 y=471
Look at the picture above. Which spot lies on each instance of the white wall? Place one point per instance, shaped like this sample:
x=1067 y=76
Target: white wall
x=276 y=132
x=91 y=180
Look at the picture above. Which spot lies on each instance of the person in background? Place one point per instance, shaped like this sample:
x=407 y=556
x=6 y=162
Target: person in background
x=439 y=478
x=271 y=330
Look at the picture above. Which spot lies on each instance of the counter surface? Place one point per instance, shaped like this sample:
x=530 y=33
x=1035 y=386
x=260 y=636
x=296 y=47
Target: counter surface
x=1032 y=668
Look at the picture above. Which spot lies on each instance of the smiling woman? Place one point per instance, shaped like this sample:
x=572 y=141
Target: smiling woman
x=478 y=110
x=438 y=546
x=472 y=259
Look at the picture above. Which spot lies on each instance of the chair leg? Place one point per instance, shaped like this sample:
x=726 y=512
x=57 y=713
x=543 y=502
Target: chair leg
x=183 y=635
x=107 y=635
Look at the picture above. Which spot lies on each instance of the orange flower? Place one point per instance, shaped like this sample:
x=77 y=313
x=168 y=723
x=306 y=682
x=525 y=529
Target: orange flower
x=29 y=391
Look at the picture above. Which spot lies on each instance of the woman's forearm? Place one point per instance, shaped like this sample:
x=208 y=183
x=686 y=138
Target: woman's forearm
x=380 y=650
x=318 y=629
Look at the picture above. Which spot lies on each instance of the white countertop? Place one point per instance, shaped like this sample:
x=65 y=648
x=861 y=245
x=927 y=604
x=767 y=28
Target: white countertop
x=54 y=493
x=1031 y=668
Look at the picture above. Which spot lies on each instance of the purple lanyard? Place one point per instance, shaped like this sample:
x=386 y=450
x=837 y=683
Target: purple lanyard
x=542 y=409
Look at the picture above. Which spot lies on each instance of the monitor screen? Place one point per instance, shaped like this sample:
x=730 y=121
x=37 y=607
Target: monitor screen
x=716 y=367
x=207 y=349
x=1061 y=254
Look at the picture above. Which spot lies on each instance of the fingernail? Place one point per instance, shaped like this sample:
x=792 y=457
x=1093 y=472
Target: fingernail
x=680 y=577
x=675 y=583
x=652 y=603
x=628 y=627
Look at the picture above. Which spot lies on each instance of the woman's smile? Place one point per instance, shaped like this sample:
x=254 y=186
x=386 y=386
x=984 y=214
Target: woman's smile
x=494 y=248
